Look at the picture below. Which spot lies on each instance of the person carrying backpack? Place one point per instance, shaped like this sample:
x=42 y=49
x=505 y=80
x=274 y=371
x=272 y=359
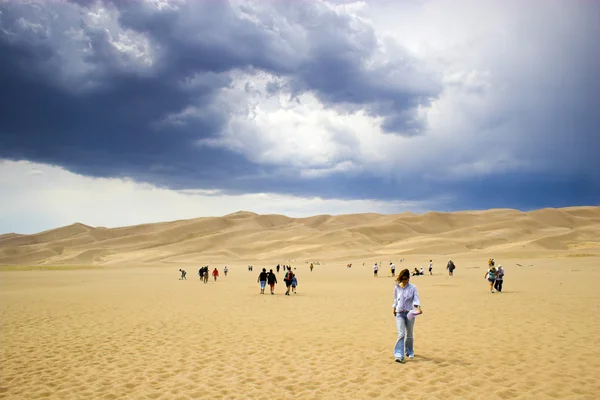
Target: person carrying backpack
x=450 y=267
x=289 y=276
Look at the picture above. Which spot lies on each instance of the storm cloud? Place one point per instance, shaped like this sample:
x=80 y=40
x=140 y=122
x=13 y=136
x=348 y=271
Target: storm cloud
x=337 y=100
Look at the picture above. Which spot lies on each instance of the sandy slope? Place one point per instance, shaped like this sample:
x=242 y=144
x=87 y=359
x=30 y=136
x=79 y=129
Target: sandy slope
x=246 y=236
x=140 y=333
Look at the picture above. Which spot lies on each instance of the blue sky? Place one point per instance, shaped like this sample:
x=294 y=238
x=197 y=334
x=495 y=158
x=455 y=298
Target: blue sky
x=144 y=111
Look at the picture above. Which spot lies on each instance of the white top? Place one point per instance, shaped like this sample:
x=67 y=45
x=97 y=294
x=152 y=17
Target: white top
x=430 y=265
x=422 y=270
x=500 y=274
x=405 y=298
x=392 y=266
x=375 y=267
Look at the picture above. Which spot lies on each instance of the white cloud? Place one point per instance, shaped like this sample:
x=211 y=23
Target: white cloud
x=54 y=197
x=500 y=63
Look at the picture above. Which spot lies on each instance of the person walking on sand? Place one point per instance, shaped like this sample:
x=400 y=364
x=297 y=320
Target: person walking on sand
x=430 y=267
x=278 y=267
x=225 y=270
x=183 y=273
x=262 y=280
x=375 y=270
x=289 y=275
x=499 y=278
x=450 y=267
x=205 y=275
x=201 y=273
x=491 y=277
x=393 y=269
x=311 y=267
x=294 y=284
x=271 y=280
x=215 y=274
x=406 y=299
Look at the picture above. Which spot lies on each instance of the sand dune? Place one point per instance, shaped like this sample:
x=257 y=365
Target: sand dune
x=248 y=236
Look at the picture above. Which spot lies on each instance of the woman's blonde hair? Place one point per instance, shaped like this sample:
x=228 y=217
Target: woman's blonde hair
x=405 y=273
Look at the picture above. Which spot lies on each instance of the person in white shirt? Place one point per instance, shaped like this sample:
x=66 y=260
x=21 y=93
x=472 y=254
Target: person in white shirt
x=430 y=267
x=393 y=269
x=375 y=269
x=499 y=279
x=422 y=271
x=406 y=298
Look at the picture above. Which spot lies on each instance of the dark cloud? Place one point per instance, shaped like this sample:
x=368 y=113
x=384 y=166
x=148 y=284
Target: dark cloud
x=85 y=105
x=71 y=97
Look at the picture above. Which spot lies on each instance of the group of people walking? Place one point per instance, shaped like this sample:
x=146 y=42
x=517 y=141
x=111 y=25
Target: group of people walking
x=203 y=273
x=270 y=278
x=495 y=276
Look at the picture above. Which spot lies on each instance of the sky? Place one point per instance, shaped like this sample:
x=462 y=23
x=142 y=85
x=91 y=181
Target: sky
x=116 y=113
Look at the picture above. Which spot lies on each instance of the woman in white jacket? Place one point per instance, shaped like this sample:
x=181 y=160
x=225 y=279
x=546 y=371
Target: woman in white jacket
x=406 y=299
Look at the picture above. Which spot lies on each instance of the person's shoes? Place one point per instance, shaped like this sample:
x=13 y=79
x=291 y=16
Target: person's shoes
x=400 y=360
x=411 y=356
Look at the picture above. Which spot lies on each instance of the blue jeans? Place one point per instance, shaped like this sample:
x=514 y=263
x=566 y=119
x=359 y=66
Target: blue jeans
x=405 y=330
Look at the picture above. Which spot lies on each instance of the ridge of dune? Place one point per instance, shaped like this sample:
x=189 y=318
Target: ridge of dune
x=9 y=235
x=249 y=236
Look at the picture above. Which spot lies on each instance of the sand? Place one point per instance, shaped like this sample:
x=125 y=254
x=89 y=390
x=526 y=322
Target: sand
x=141 y=333
x=96 y=313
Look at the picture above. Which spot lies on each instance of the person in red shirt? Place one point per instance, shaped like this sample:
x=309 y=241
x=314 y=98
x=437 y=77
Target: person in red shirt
x=215 y=274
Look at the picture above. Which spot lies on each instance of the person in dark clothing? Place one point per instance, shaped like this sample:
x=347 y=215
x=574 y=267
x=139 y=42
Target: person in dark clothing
x=271 y=280
x=262 y=279
x=450 y=267
x=289 y=276
x=183 y=273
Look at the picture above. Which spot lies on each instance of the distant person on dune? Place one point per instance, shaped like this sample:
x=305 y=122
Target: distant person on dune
x=450 y=267
x=215 y=274
x=430 y=267
x=311 y=267
x=225 y=270
x=183 y=273
x=375 y=270
x=415 y=272
x=278 y=267
x=393 y=269
x=205 y=275
x=406 y=299
x=271 y=280
x=499 y=279
x=262 y=280
x=201 y=273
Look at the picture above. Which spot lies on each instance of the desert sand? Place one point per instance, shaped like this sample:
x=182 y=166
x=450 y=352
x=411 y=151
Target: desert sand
x=122 y=325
